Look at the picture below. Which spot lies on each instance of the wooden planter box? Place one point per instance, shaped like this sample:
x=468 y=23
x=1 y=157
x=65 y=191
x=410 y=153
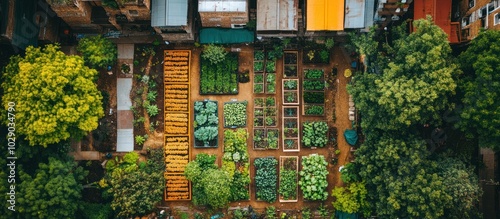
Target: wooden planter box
x=291 y=129
x=245 y=115
x=258 y=110
x=258 y=83
x=302 y=134
x=290 y=95
x=270 y=86
x=177 y=187
x=313 y=94
x=240 y=163
x=276 y=185
x=214 y=142
x=290 y=66
x=259 y=134
x=283 y=159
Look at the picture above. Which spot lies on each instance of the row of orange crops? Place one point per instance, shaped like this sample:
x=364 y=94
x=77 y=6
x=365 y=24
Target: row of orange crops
x=177 y=187
x=177 y=134
x=176 y=66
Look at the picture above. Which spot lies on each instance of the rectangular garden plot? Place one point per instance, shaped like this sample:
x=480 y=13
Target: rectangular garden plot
x=258 y=83
x=288 y=181
x=266 y=179
x=235 y=114
x=290 y=64
x=266 y=139
x=220 y=78
x=314 y=134
x=177 y=187
x=176 y=97
x=290 y=91
x=313 y=97
x=206 y=123
x=176 y=65
x=236 y=162
x=290 y=129
x=176 y=123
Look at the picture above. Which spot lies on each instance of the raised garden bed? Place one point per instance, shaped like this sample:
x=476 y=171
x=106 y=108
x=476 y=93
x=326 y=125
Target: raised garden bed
x=288 y=181
x=316 y=56
x=313 y=176
x=206 y=122
x=266 y=139
x=270 y=83
x=290 y=64
x=235 y=114
x=313 y=97
x=290 y=91
x=235 y=161
x=270 y=66
x=220 y=78
x=176 y=65
x=266 y=179
x=258 y=112
x=314 y=134
x=176 y=97
x=290 y=129
x=177 y=187
x=258 y=83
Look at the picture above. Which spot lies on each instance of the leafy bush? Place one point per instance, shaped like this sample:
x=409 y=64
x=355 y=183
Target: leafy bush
x=288 y=184
x=266 y=178
x=152 y=110
x=324 y=56
x=258 y=55
x=329 y=43
x=236 y=154
x=351 y=199
x=272 y=138
x=313 y=175
x=214 y=54
x=235 y=114
x=315 y=110
x=258 y=66
x=314 y=97
x=206 y=122
x=314 y=134
x=151 y=97
x=97 y=51
x=270 y=66
x=139 y=140
x=290 y=85
x=221 y=78
x=313 y=74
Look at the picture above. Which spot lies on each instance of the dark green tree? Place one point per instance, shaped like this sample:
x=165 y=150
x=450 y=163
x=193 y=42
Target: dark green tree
x=97 y=51
x=211 y=185
x=54 y=191
x=400 y=178
x=54 y=96
x=135 y=187
x=481 y=87
x=415 y=82
x=462 y=185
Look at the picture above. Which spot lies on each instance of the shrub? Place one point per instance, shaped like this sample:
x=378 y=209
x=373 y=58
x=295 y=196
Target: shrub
x=214 y=54
x=152 y=110
x=97 y=51
x=139 y=140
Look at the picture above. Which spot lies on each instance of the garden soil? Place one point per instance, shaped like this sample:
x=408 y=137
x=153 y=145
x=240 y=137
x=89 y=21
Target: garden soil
x=337 y=101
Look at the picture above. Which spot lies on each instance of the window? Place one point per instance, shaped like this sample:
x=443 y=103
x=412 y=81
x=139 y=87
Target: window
x=465 y=21
x=133 y=12
x=472 y=3
x=482 y=12
x=497 y=19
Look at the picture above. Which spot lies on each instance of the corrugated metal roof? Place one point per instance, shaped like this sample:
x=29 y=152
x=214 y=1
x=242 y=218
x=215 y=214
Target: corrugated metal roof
x=369 y=13
x=165 y=13
x=222 y=6
x=325 y=15
x=276 y=15
x=354 y=14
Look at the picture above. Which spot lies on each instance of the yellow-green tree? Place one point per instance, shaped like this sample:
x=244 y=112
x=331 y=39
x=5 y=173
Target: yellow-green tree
x=97 y=51
x=54 y=96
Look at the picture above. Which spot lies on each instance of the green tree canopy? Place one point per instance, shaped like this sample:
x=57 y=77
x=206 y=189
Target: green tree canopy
x=54 y=191
x=481 y=87
x=211 y=185
x=351 y=199
x=97 y=51
x=462 y=185
x=417 y=79
x=135 y=187
x=54 y=94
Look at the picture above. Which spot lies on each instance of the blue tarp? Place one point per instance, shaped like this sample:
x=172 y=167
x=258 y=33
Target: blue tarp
x=351 y=136
x=344 y=215
x=225 y=36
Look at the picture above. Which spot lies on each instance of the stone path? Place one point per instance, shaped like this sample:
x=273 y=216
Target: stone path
x=125 y=128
